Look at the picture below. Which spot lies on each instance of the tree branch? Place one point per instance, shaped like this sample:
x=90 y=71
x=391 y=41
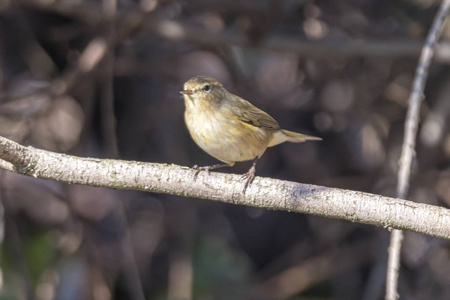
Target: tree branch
x=179 y=31
x=264 y=192
x=409 y=142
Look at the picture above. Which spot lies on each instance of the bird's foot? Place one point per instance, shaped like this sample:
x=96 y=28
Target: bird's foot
x=248 y=177
x=199 y=169
x=209 y=168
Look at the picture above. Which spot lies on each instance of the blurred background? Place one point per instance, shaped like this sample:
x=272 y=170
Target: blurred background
x=102 y=79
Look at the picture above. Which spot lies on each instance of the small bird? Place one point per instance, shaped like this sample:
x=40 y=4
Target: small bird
x=230 y=128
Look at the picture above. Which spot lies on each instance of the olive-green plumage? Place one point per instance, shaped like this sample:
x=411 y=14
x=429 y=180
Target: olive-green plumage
x=228 y=127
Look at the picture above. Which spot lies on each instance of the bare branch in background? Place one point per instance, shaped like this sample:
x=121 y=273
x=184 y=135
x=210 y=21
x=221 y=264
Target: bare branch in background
x=409 y=142
x=136 y=21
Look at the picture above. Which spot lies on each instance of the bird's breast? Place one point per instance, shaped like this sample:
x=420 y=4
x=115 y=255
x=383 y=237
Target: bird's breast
x=223 y=136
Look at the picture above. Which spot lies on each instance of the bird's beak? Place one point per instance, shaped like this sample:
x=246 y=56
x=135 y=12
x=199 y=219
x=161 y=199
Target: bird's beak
x=186 y=92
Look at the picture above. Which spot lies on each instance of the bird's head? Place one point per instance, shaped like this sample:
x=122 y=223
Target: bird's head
x=202 y=90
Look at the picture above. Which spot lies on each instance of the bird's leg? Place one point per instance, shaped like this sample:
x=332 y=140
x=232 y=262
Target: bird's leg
x=209 y=168
x=250 y=175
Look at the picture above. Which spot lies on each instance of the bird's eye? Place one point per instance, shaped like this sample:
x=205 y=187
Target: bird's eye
x=207 y=88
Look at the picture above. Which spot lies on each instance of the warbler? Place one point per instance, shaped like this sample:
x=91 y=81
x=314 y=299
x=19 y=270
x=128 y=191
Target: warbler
x=230 y=128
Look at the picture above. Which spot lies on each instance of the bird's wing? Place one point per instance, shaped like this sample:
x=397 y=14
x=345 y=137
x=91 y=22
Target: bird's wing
x=250 y=114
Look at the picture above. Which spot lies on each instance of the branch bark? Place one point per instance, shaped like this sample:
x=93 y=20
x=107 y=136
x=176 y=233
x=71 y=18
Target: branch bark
x=264 y=192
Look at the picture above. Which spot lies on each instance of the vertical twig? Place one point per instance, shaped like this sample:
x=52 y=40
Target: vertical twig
x=2 y=222
x=180 y=275
x=107 y=85
x=130 y=267
x=409 y=141
x=110 y=142
x=107 y=108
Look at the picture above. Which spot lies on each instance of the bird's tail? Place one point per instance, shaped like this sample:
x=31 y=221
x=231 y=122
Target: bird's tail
x=290 y=136
x=295 y=137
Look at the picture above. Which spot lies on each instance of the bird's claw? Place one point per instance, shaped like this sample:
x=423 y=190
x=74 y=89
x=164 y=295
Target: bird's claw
x=199 y=169
x=249 y=176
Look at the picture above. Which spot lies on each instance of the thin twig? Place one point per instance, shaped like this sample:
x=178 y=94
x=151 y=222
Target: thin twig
x=409 y=142
x=99 y=47
x=264 y=192
x=107 y=85
x=129 y=265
